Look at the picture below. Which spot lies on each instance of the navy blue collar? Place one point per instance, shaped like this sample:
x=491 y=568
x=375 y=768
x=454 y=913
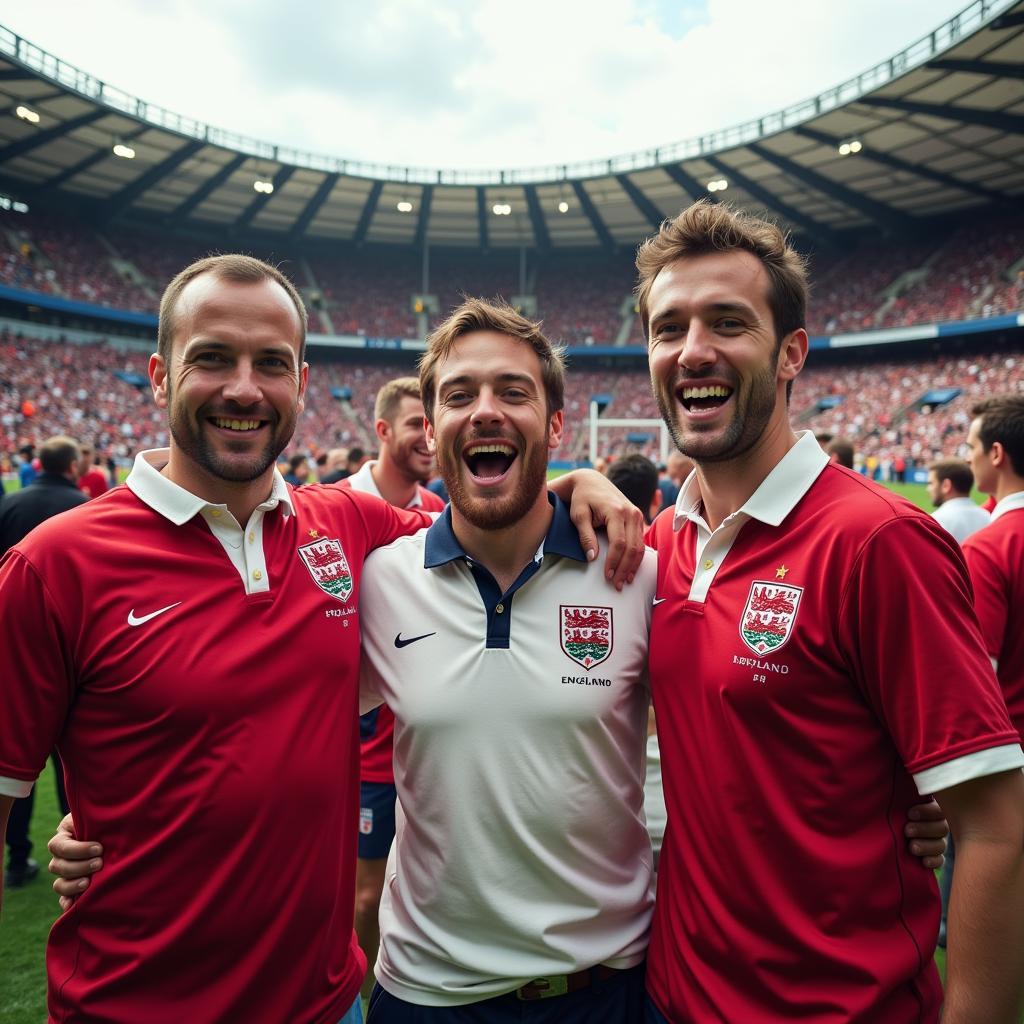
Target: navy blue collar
x=442 y=547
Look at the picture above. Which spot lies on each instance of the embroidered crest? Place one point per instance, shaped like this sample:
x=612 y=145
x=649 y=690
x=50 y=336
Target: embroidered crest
x=767 y=620
x=328 y=566
x=586 y=634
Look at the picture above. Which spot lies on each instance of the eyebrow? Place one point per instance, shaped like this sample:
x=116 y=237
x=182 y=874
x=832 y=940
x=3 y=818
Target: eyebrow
x=510 y=377
x=714 y=307
x=211 y=344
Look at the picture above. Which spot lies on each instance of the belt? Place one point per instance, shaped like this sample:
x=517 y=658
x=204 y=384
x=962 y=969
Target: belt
x=562 y=984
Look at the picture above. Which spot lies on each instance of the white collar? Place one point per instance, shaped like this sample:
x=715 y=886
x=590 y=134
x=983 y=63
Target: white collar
x=362 y=480
x=1008 y=504
x=778 y=494
x=173 y=502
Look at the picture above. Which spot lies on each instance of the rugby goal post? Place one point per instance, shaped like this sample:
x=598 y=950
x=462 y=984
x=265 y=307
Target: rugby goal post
x=597 y=423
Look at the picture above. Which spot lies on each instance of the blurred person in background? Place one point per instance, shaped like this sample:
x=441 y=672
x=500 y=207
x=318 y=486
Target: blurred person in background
x=396 y=475
x=949 y=488
x=54 y=491
x=92 y=481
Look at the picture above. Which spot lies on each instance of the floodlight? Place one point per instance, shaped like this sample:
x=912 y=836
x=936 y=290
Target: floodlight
x=405 y=206
x=855 y=146
x=124 y=151
x=563 y=207
x=850 y=146
x=718 y=185
x=501 y=209
x=27 y=114
x=266 y=187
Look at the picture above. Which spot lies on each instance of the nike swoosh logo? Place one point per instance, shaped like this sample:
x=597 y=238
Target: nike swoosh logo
x=659 y=600
x=138 y=620
x=399 y=642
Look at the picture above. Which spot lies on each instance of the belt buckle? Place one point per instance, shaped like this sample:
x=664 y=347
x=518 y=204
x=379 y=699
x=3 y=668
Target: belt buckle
x=545 y=988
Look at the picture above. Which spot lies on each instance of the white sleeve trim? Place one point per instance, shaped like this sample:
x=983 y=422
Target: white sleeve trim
x=970 y=766
x=17 y=788
x=995 y=662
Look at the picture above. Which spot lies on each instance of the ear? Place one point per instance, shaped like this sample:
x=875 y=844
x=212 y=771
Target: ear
x=158 y=379
x=792 y=355
x=431 y=439
x=997 y=455
x=555 y=429
x=382 y=428
x=303 y=381
x=946 y=487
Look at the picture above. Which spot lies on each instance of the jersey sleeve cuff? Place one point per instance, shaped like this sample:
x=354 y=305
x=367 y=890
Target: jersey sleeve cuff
x=17 y=788
x=970 y=766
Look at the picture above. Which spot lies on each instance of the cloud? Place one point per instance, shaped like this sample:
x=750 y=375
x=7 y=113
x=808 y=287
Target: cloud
x=476 y=83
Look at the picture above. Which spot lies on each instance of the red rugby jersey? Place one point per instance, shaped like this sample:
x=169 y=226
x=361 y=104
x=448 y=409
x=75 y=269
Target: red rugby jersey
x=802 y=678
x=210 y=741
x=995 y=557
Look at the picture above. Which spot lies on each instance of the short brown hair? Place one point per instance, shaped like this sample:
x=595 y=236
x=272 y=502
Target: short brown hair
x=956 y=471
x=707 y=227
x=391 y=394
x=842 y=448
x=226 y=267
x=498 y=316
x=1002 y=420
x=56 y=454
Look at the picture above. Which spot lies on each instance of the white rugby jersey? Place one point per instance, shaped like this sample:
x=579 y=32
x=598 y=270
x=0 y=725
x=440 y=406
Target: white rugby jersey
x=520 y=726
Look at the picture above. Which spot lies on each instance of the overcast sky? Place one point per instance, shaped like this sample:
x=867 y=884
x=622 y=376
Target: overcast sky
x=474 y=83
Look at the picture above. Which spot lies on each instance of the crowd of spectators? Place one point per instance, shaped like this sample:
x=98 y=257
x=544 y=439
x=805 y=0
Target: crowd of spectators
x=969 y=271
x=98 y=393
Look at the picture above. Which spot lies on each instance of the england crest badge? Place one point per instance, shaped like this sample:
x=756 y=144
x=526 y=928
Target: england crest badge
x=328 y=566
x=586 y=634
x=768 y=617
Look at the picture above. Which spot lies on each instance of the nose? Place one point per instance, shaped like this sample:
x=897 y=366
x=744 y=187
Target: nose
x=242 y=387
x=698 y=349
x=487 y=409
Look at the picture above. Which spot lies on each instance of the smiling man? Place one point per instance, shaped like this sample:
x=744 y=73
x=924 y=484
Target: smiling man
x=813 y=609
x=519 y=883
x=142 y=635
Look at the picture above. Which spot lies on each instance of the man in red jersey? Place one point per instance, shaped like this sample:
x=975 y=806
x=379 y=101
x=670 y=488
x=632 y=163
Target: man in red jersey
x=91 y=479
x=995 y=554
x=142 y=635
x=397 y=476
x=816 y=665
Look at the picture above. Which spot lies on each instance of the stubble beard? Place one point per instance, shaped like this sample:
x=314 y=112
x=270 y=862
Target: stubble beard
x=755 y=406
x=495 y=513
x=188 y=435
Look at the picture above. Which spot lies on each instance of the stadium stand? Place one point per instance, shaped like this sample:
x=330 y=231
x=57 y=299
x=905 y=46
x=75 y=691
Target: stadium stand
x=969 y=270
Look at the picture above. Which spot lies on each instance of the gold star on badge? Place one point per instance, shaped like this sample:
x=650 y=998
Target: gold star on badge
x=314 y=534
x=780 y=573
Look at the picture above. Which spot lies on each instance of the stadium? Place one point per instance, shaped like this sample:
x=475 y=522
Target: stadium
x=901 y=186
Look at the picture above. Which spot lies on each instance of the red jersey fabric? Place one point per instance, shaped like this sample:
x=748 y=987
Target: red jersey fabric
x=831 y=658
x=210 y=742
x=376 y=749
x=995 y=557
x=93 y=483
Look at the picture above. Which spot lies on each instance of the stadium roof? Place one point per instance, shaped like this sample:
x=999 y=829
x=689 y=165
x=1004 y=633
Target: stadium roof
x=939 y=127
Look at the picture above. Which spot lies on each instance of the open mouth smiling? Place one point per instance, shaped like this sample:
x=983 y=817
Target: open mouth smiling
x=703 y=398
x=489 y=461
x=239 y=426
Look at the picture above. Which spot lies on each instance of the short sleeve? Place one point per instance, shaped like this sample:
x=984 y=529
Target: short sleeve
x=908 y=630
x=36 y=681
